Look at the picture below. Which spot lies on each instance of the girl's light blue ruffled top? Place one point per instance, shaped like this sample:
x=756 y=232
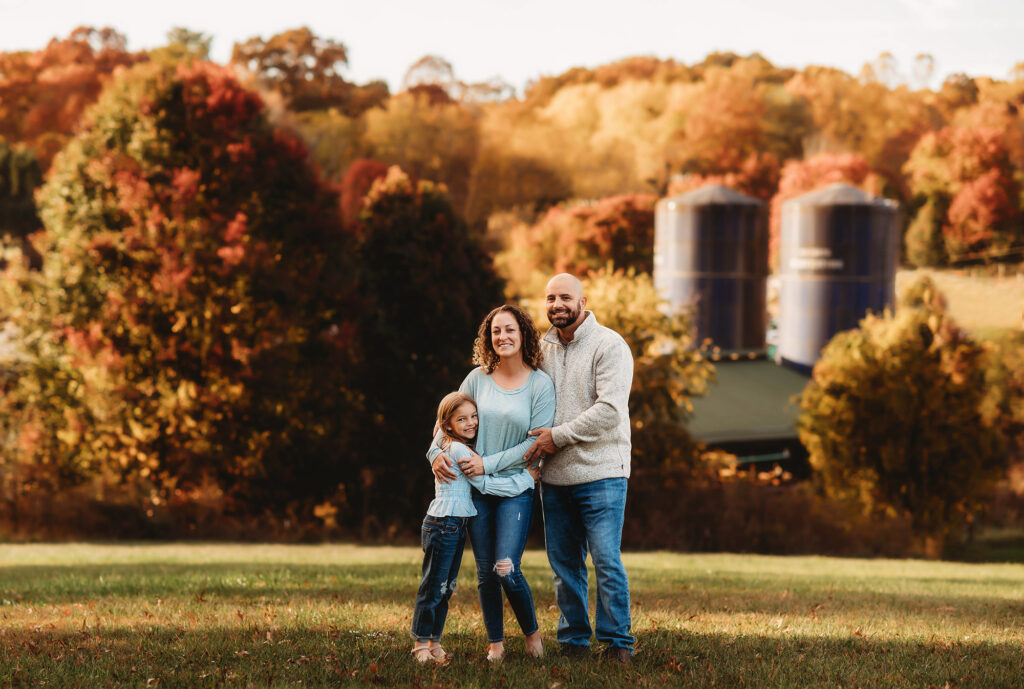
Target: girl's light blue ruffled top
x=454 y=499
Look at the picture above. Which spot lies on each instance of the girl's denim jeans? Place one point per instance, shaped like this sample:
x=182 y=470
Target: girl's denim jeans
x=443 y=539
x=498 y=533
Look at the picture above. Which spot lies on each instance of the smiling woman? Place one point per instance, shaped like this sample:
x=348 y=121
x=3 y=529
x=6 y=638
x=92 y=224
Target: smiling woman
x=513 y=397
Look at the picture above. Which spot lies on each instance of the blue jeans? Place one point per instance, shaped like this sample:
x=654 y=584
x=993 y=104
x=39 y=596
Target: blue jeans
x=578 y=518
x=498 y=532
x=443 y=539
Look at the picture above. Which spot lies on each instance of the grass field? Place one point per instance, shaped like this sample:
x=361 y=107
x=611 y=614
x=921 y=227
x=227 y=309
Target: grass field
x=79 y=615
x=981 y=304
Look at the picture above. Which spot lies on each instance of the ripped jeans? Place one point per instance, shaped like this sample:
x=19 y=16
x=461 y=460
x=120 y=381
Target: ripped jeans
x=443 y=539
x=498 y=533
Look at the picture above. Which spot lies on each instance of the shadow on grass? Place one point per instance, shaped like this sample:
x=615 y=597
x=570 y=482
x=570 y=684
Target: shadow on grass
x=218 y=656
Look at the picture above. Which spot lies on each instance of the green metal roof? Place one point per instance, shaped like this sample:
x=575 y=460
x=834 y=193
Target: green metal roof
x=750 y=400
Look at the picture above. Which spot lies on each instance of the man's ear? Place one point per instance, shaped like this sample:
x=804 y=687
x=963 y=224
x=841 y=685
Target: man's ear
x=583 y=303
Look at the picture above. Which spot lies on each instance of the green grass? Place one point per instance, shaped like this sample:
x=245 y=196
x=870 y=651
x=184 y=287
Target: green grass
x=80 y=615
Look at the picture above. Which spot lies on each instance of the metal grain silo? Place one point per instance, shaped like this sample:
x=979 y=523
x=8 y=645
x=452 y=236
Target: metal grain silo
x=711 y=253
x=837 y=260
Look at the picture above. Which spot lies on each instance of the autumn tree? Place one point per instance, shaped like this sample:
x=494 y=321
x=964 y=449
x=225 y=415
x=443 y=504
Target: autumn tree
x=737 y=111
x=334 y=139
x=358 y=181
x=195 y=317
x=966 y=188
x=757 y=176
x=893 y=417
x=429 y=140
x=581 y=238
x=875 y=117
x=43 y=93
x=306 y=70
x=432 y=75
x=183 y=45
x=429 y=284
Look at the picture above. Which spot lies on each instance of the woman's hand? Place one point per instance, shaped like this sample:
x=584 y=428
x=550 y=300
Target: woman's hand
x=472 y=466
x=442 y=468
x=535 y=472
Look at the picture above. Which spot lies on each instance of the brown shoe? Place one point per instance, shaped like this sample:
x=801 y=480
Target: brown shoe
x=617 y=654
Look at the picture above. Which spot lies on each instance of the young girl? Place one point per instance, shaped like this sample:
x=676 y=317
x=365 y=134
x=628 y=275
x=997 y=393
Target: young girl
x=443 y=535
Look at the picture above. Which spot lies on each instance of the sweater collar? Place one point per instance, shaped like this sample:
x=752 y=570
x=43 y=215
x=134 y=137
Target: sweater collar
x=588 y=326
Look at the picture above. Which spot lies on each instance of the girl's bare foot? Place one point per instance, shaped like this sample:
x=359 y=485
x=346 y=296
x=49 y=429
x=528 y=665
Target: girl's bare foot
x=436 y=650
x=535 y=645
x=496 y=652
x=421 y=652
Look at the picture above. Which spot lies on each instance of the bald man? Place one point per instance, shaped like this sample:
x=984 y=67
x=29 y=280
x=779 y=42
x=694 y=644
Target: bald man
x=586 y=466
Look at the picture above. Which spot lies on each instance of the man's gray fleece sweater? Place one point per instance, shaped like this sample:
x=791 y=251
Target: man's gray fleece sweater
x=592 y=376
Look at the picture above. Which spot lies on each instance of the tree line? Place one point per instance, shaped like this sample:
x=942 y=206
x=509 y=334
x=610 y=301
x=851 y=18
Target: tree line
x=239 y=290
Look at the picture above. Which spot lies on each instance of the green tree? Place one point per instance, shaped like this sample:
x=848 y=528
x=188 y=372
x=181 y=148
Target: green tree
x=183 y=45
x=19 y=177
x=195 y=317
x=429 y=285
x=893 y=416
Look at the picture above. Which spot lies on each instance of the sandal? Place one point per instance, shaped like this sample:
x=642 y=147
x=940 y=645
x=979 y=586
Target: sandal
x=422 y=654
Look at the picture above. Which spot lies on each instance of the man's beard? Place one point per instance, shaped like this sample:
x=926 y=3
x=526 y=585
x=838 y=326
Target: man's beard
x=561 y=320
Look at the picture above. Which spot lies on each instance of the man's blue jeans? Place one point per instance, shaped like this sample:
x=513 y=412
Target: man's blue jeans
x=498 y=532
x=443 y=539
x=579 y=518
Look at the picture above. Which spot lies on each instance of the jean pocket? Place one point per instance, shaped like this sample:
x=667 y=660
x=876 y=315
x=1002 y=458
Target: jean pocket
x=431 y=526
x=451 y=526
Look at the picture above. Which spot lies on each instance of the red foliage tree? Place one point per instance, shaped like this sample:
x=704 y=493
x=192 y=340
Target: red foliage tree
x=582 y=238
x=195 y=321
x=967 y=172
x=757 y=176
x=358 y=180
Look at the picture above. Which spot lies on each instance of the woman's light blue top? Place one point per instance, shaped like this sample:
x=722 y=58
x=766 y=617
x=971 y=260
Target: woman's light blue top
x=506 y=416
x=454 y=499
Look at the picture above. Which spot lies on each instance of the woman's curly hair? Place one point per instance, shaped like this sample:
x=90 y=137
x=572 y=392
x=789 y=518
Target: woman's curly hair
x=483 y=351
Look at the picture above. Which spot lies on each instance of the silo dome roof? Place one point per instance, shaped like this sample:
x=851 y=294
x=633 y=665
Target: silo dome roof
x=840 y=194
x=711 y=194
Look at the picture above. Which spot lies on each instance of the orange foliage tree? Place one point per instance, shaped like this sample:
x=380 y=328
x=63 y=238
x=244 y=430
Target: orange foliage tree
x=736 y=112
x=43 y=93
x=581 y=238
x=872 y=116
x=757 y=176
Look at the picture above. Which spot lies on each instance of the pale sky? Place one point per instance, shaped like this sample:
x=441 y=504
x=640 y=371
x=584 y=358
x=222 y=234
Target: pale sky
x=520 y=40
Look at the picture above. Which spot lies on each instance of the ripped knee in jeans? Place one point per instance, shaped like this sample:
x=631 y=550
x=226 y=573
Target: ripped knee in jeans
x=503 y=567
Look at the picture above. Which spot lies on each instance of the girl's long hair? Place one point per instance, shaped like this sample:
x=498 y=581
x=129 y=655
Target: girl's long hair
x=445 y=411
x=483 y=349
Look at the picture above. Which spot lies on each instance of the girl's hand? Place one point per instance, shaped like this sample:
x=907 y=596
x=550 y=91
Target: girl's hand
x=535 y=472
